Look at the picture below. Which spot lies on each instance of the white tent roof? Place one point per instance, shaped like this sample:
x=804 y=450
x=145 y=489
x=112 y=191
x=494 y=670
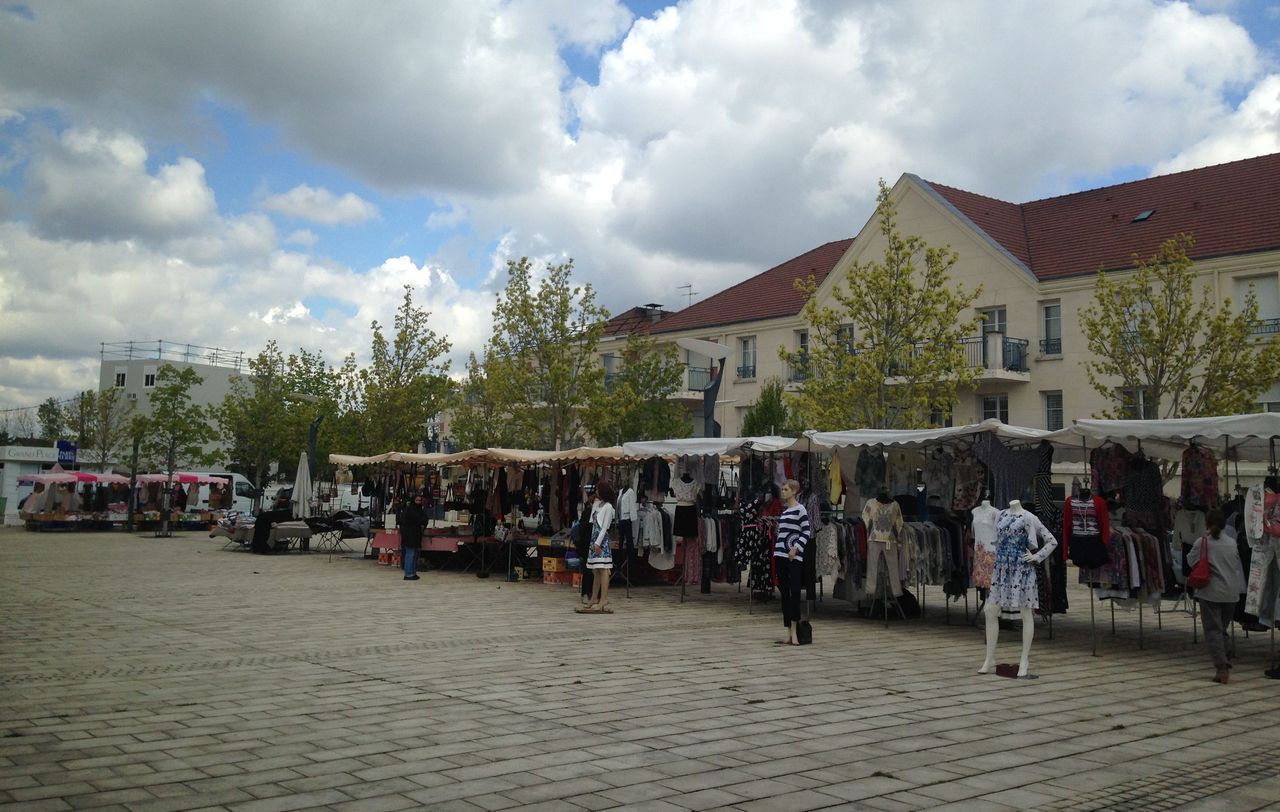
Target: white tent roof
x=1247 y=436
x=724 y=446
x=911 y=438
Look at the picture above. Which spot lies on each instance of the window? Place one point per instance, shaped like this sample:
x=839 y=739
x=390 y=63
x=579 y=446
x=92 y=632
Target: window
x=798 y=370
x=995 y=407
x=940 y=418
x=1267 y=291
x=747 y=357
x=994 y=320
x=1052 y=410
x=1137 y=404
x=120 y=377
x=844 y=337
x=1051 y=325
x=149 y=378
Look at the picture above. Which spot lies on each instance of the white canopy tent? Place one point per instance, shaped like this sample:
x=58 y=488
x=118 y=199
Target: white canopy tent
x=915 y=438
x=724 y=446
x=1246 y=437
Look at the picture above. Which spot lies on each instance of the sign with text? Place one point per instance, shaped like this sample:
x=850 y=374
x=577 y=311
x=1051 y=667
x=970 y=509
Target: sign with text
x=66 y=452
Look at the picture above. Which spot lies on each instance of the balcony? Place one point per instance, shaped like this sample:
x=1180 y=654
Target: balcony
x=746 y=371
x=1051 y=346
x=1264 y=327
x=1000 y=357
x=797 y=372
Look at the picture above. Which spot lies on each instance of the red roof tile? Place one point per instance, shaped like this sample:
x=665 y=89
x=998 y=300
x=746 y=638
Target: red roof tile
x=764 y=296
x=636 y=320
x=1231 y=208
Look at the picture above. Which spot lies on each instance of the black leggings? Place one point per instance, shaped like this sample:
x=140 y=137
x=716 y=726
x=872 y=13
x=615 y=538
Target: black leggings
x=789 y=573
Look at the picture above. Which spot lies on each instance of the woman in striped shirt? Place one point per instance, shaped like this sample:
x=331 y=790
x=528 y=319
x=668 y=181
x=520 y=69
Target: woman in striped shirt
x=788 y=557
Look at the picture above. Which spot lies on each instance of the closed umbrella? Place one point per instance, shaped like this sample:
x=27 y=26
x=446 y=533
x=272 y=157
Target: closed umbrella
x=301 y=498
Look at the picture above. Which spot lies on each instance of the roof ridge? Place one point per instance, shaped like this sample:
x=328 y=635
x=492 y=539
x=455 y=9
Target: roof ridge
x=1150 y=178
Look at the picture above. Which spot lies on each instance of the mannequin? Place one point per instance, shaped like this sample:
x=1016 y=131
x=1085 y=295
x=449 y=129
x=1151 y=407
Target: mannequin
x=1013 y=582
x=984 y=543
x=883 y=518
x=1086 y=529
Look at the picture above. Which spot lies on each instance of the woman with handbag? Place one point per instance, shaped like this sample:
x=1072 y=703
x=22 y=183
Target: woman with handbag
x=1215 y=563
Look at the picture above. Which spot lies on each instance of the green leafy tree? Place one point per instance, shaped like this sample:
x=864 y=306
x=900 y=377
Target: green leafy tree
x=542 y=361
x=770 y=413
x=404 y=388
x=479 y=418
x=77 y=416
x=49 y=414
x=251 y=418
x=637 y=404
x=889 y=352
x=1156 y=350
x=99 y=422
x=176 y=432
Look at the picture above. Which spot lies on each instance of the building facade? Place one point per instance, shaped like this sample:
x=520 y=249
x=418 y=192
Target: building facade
x=1037 y=264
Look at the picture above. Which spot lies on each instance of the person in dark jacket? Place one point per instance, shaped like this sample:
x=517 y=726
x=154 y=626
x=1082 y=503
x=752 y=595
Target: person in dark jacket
x=411 y=518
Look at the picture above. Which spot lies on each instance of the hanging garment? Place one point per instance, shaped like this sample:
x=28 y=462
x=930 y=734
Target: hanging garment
x=1011 y=471
x=970 y=477
x=1107 y=466
x=1013 y=581
x=984 y=544
x=883 y=521
x=869 y=473
x=1085 y=527
x=1199 y=478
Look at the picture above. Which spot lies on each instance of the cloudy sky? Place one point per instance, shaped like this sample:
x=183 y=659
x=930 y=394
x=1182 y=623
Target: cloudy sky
x=224 y=173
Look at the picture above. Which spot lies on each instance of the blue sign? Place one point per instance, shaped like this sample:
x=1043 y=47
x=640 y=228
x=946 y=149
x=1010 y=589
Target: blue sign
x=66 y=452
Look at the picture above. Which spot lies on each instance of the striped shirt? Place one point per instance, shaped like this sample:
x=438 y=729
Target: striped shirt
x=793 y=531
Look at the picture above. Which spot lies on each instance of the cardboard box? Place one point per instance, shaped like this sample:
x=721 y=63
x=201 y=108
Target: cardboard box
x=564 y=578
x=551 y=563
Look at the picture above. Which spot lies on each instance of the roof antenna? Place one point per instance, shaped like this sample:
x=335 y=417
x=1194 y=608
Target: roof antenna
x=688 y=291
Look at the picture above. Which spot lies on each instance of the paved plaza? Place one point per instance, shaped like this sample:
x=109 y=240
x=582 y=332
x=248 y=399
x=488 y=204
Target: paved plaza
x=167 y=674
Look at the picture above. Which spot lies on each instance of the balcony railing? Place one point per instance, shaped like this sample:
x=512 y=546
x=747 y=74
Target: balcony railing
x=1266 y=327
x=798 y=371
x=996 y=351
x=746 y=371
x=1051 y=346
x=697 y=378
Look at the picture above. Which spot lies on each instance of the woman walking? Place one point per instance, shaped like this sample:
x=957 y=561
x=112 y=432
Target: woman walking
x=600 y=551
x=788 y=557
x=1218 y=599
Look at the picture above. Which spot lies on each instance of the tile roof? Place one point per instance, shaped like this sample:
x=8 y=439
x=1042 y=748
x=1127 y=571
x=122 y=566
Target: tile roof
x=638 y=319
x=764 y=296
x=1231 y=208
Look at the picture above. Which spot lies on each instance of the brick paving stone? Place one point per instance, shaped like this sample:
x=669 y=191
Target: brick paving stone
x=149 y=672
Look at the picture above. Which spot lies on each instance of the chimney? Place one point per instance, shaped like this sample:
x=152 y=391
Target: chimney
x=654 y=310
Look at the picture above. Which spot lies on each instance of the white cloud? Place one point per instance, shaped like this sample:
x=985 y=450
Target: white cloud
x=303 y=236
x=320 y=205
x=722 y=137
x=1253 y=129
x=90 y=184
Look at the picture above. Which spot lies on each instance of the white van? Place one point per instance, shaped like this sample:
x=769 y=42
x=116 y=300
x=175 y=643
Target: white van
x=243 y=494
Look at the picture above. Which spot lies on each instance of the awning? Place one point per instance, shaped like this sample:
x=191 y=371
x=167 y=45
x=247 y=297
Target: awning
x=1248 y=436
x=913 y=438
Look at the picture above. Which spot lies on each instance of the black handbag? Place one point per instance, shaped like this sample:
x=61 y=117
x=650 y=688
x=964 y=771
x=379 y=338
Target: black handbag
x=804 y=632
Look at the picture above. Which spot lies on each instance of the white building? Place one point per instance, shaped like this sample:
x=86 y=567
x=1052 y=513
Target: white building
x=17 y=461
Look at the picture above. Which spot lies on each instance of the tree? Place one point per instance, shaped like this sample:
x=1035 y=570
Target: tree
x=889 y=354
x=99 y=422
x=541 y=362
x=267 y=416
x=77 y=416
x=770 y=413
x=49 y=414
x=405 y=387
x=175 y=433
x=637 y=404
x=479 y=418
x=1155 y=351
